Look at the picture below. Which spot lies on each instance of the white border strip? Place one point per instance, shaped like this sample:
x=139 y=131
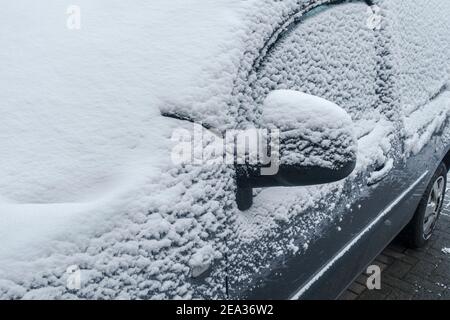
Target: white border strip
x=344 y=250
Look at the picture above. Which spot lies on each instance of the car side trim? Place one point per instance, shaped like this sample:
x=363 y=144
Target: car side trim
x=358 y=237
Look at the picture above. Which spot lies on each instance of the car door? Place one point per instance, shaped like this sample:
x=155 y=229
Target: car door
x=310 y=242
x=421 y=62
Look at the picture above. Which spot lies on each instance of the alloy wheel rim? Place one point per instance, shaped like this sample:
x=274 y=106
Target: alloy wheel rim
x=434 y=205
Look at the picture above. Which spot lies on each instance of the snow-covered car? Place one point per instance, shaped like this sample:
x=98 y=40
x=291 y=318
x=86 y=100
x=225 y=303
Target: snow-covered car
x=99 y=100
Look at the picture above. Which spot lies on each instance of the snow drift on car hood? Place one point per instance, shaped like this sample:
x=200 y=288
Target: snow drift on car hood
x=79 y=107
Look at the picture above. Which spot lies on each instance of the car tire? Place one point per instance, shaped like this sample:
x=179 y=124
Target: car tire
x=420 y=229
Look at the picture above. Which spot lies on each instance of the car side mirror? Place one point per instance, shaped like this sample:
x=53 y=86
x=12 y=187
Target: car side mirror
x=311 y=141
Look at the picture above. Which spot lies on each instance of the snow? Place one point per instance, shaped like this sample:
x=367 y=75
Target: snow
x=96 y=111
x=419 y=47
x=302 y=111
x=311 y=60
x=425 y=121
x=87 y=177
x=307 y=121
x=315 y=55
x=86 y=171
x=420 y=56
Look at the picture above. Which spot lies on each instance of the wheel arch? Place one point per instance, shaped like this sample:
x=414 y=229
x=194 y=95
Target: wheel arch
x=446 y=159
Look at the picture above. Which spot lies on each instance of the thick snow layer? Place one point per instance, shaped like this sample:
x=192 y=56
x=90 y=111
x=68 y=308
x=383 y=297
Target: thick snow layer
x=86 y=175
x=326 y=58
x=343 y=61
x=290 y=110
x=426 y=121
x=420 y=48
x=85 y=153
x=314 y=131
x=80 y=107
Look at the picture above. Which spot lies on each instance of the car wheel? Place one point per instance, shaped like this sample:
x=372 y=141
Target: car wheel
x=421 y=227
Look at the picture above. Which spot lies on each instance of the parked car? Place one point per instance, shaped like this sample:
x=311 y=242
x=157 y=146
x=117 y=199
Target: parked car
x=97 y=196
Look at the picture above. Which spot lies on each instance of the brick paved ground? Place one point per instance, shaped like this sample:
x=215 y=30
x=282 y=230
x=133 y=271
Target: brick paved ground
x=411 y=274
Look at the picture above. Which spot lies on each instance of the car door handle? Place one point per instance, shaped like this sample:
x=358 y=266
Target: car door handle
x=381 y=172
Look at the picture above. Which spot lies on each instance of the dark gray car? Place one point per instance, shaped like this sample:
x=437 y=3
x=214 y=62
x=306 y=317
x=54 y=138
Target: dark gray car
x=397 y=93
x=122 y=124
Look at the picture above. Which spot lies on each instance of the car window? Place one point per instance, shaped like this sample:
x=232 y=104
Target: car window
x=420 y=43
x=330 y=54
x=336 y=52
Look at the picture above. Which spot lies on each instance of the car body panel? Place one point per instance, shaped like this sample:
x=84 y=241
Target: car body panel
x=366 y=223
x=171 y=231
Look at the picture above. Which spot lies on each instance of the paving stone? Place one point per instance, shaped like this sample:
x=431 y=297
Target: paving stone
x=436 y=247
x=422 y=255
x=382 y=265
x=362 y=279
x=443 y=234
x=410 y=260
x=426 y=294
x=436 y=252
x=393 y=254
x=348 y=295
x=384 y=259
x=357 y=288
x=376 y=294
x=398 y=284
x=424 y=268
x=397 y=247
x=398 y=269
x=443 y=269
x=431 y=242
x=423 y=285
x=440 y=279
x=399 y=295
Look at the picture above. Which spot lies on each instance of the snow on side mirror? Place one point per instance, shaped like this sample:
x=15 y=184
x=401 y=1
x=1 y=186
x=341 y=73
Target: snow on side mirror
x=314 y=144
